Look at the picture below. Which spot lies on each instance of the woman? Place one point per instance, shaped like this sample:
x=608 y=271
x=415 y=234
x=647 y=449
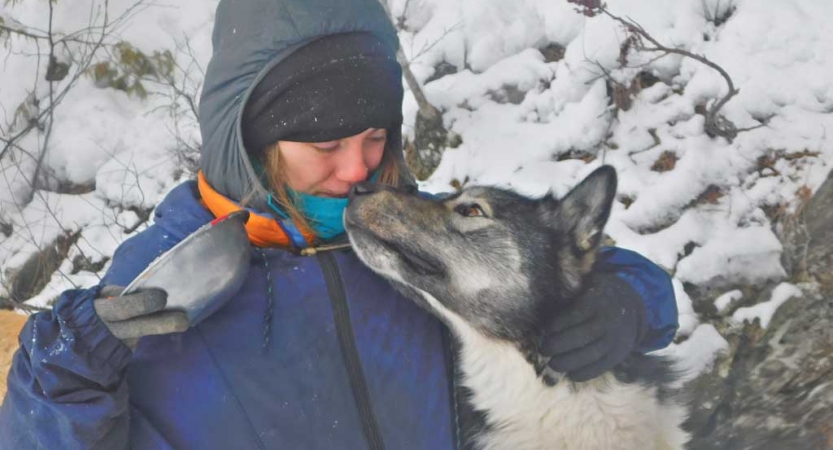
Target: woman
x=301 y=100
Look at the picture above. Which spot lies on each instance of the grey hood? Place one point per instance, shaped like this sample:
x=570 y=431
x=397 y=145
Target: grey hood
x=250 y=37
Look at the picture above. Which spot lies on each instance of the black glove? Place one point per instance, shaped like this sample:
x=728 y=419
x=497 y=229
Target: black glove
x=602 y=328
x=136 y=315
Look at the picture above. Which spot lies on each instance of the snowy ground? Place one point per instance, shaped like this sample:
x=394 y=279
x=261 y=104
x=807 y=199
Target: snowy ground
x=525 y=122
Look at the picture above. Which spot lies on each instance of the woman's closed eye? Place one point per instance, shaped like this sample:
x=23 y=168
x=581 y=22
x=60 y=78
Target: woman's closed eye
x=326 y=146
x=379 y=136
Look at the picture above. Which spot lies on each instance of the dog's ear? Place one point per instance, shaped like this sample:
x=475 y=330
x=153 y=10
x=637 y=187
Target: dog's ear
x=582 y=214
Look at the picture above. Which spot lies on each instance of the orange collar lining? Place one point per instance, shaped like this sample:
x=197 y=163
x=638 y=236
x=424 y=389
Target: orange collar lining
x=263 y=231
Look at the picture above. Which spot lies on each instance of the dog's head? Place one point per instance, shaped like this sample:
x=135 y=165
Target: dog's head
x=495 y=259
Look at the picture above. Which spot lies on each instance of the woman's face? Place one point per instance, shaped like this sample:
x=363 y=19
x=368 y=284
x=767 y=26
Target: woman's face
x=329 y=169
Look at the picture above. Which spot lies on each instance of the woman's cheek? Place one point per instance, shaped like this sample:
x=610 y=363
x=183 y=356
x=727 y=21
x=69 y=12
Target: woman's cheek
x=374 y=156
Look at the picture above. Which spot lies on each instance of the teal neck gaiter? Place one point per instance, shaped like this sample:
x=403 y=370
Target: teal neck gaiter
x=325 y=214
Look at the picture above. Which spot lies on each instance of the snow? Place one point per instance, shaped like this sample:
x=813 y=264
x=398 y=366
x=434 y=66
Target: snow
x=763 y=312
x=747 y=255
x=697 y=354
x=687 y=316
x=704 y=221
x=726 y=300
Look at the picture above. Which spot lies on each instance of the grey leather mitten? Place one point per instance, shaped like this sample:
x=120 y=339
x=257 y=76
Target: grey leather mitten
x=130 y=317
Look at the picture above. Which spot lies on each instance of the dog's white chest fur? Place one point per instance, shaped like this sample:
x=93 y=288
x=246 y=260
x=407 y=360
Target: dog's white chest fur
x=525 y=414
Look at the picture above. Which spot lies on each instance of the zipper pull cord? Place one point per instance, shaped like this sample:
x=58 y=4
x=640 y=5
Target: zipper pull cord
x=312 y=251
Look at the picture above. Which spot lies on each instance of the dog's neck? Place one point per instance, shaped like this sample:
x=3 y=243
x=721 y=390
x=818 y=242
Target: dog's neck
x=477 y=348
x=508 y=384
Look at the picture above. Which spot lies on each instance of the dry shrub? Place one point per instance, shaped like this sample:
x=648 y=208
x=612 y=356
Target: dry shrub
x=666 y=162
x=711 y=195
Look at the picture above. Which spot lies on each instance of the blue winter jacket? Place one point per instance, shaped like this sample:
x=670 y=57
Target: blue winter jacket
x=347 y=360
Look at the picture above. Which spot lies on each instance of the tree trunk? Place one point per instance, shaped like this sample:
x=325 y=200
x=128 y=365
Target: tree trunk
x=430 y=135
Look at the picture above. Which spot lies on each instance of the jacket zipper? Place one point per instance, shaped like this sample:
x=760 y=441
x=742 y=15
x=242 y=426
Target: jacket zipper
x=451 y=373
x=347 y=341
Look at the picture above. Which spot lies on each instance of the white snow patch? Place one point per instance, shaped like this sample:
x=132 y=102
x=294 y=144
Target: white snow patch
x=764 y=311
x=696 y=355
x=723 y=302
x=687 y=316
x=749 y=255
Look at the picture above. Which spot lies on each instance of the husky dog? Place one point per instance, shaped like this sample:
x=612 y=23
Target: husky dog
x=492 y=264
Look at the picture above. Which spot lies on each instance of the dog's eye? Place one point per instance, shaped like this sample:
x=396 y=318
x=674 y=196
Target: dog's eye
x=469 y=210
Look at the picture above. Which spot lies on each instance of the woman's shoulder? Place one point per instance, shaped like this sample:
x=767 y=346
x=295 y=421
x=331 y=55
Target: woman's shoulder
x=178 y=215
x=182 y=210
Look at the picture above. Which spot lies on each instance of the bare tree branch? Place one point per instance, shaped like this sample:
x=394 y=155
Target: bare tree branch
x=88 y=55
x=51 y=109
x=82 y=48
x=716 y=125
x=427 y=47
x=425 y=107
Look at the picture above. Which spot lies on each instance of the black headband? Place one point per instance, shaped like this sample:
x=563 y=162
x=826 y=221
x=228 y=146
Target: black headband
x=331 y=88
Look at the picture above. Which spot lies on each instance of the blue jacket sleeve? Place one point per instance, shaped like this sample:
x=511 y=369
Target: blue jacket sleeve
x=67 y=387
x=654 y=286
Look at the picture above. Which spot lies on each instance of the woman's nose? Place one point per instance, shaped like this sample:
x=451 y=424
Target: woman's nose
x=351 y=165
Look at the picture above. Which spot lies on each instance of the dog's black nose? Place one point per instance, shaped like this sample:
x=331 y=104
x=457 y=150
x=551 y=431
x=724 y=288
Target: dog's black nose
x=362 y=188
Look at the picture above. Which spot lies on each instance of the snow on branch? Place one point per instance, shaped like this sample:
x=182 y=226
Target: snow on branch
x=640 y=39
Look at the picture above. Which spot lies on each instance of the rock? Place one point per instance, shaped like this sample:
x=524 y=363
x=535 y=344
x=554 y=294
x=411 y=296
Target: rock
x=774 y=389
x=818 y=217
x=28 y=280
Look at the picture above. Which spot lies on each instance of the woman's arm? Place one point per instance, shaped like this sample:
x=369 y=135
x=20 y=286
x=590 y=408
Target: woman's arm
x=628 y=305
x=653 y=286
x=67 y=386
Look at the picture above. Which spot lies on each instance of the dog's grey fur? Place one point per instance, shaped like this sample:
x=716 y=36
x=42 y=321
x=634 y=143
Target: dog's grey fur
x=493 y=265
